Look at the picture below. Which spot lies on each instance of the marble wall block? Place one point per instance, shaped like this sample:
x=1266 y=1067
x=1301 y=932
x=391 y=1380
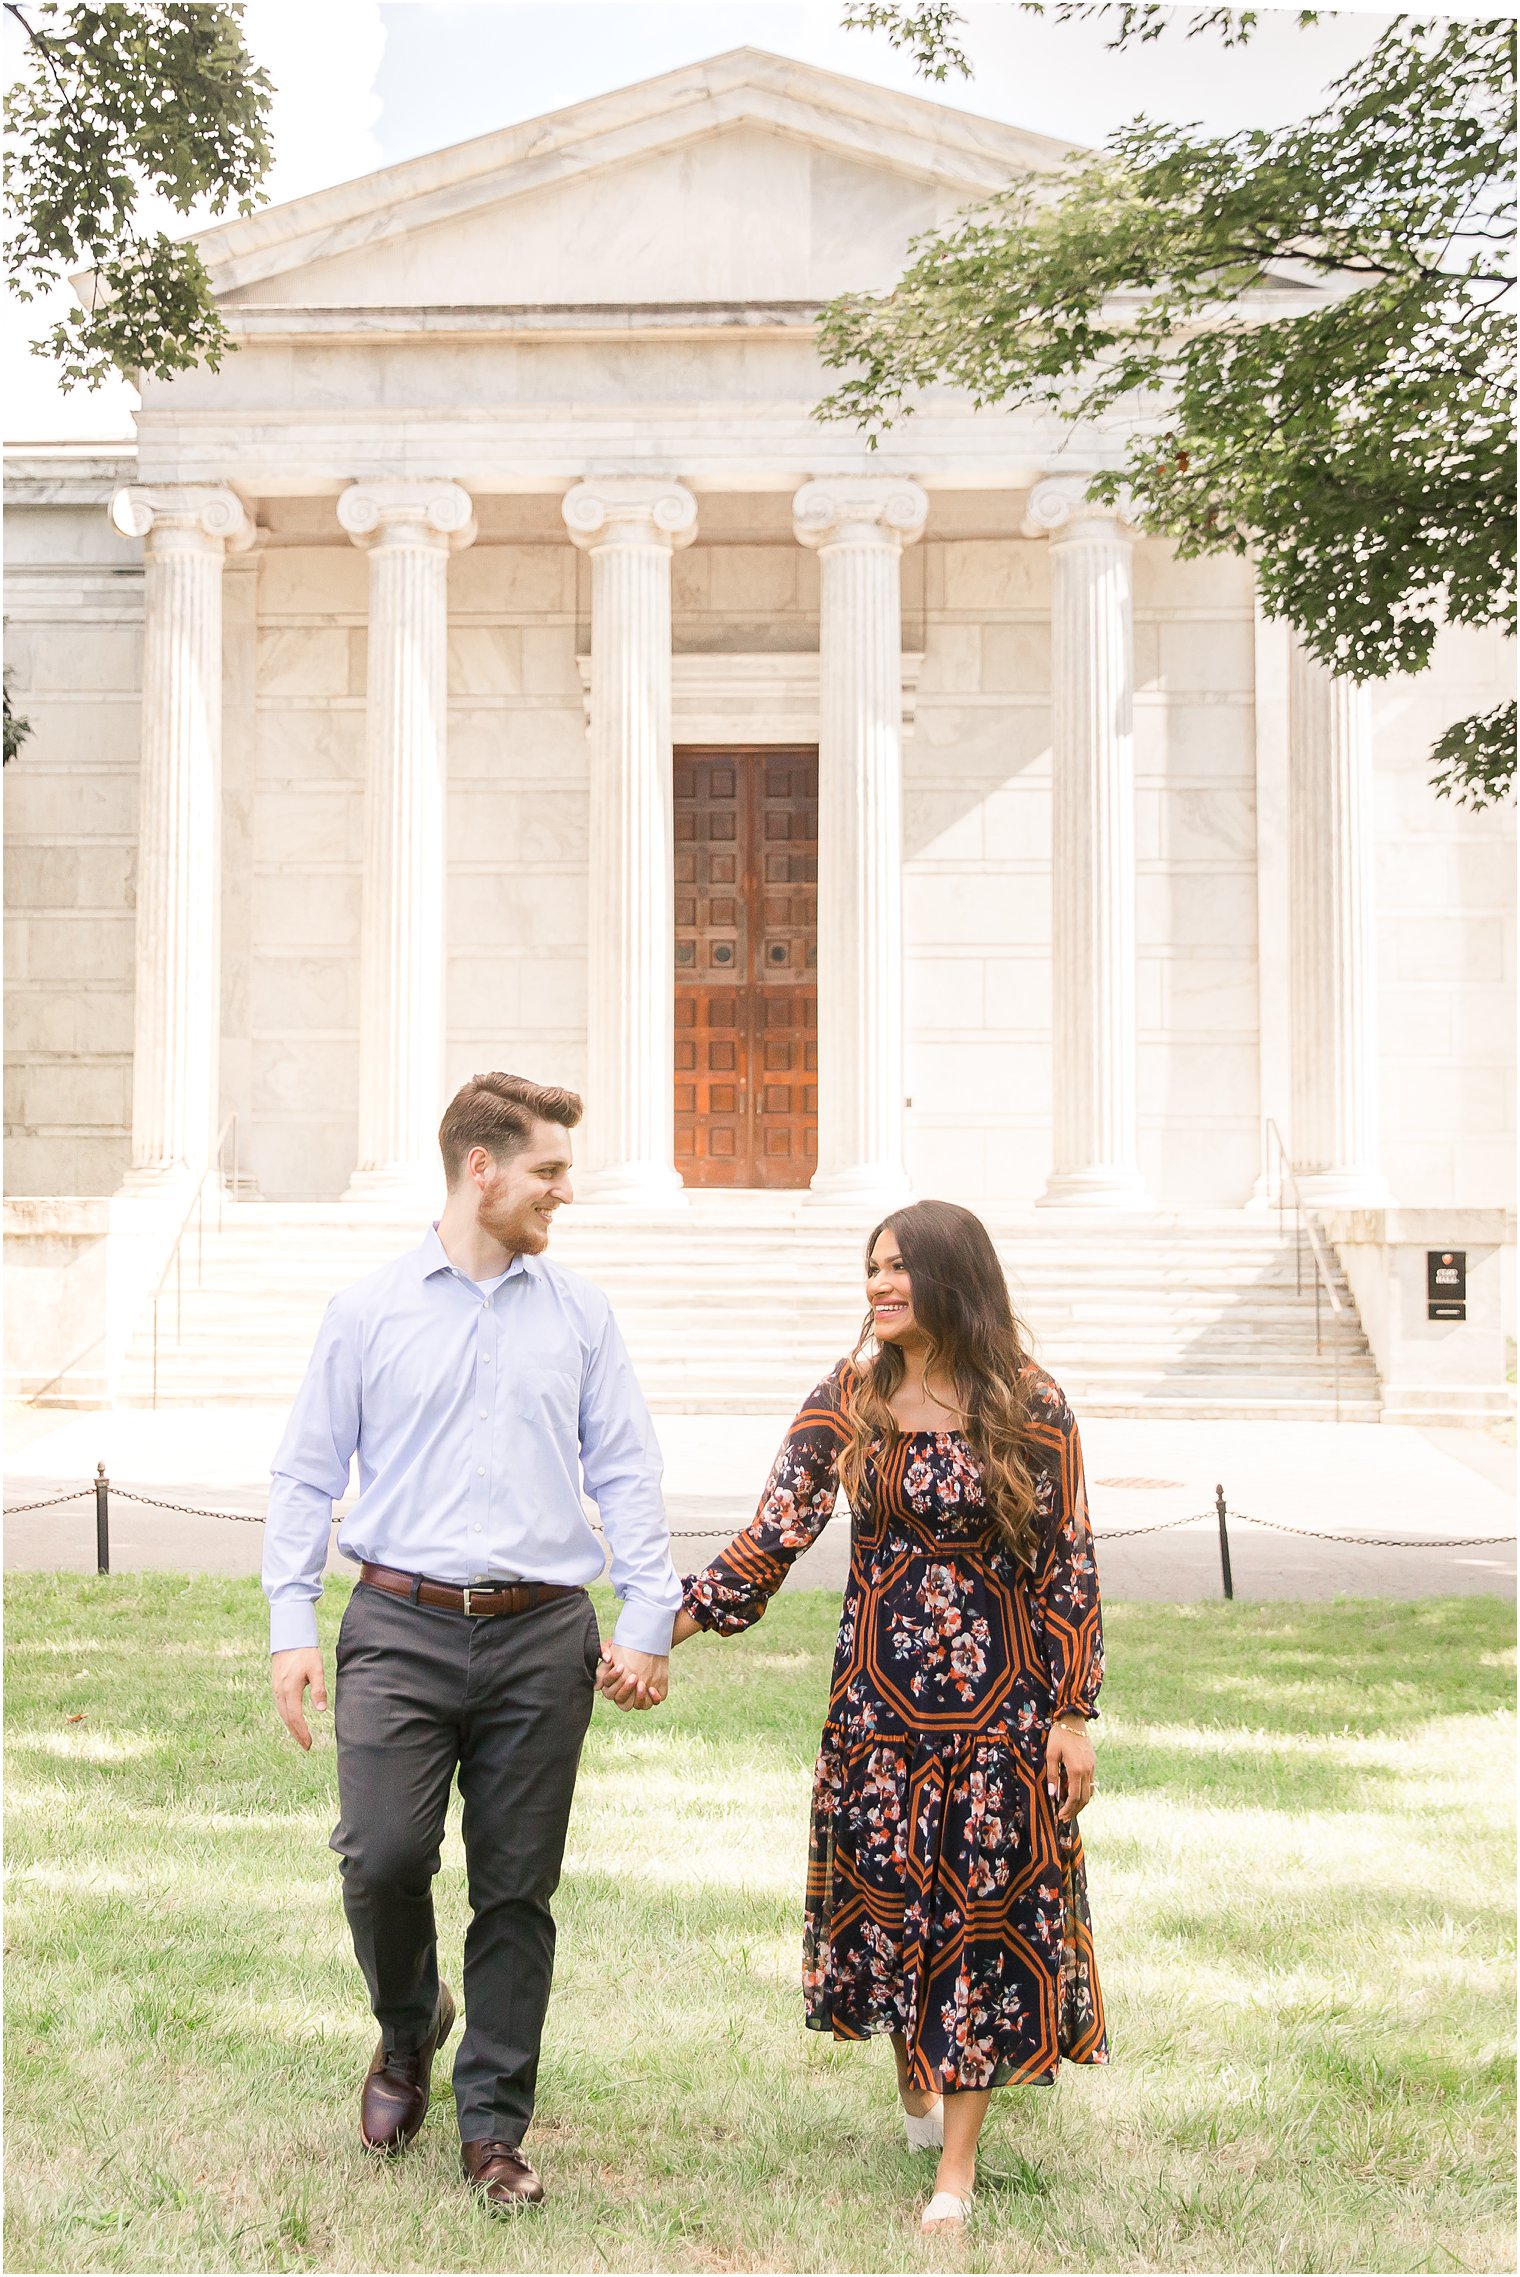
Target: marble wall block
x=306 y=1160
x=508 y=827
x=79 y=877
x=1183 y=1082
x=1205 y=658
x=75 y=659
x=959 y=910
x=309 y=660
x=1019 y=997
x=1180 y=997
x=314 y=910
x=548 y=664
x=952 y=664
x=539 y=743
x=945 y=996
x=1202 y=1167
x=507 y=583
x=312 y=585
x=1008 y=1081
x=485 y=660
x=308 y=828
x=308 y=746
x=1187 y=909
x=62 y=535
x=1016 y=824
x=532 y=993
x=1454 y=949
x=1188 y=741
x=1015 y=659
x=509 y=911
x=988 y=575
x=61 y=1095
x=76 y=737
x=43 y=801
x=993 y=741
x=1192 y=823
x=307 y=1078
x=71 y=1021
x=542 y=1059
x=942 y=825
x=1164 y=581
x=81 y=948
x=296 y=993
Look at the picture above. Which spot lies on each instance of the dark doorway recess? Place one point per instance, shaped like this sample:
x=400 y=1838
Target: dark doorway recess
x=746 y=871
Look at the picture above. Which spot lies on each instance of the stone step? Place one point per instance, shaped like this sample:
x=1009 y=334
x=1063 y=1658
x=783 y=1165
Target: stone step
x=1178 y=1403
x=727 y=1309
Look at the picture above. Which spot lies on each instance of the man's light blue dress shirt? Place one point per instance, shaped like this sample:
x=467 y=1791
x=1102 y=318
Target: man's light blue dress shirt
x=476 y=1413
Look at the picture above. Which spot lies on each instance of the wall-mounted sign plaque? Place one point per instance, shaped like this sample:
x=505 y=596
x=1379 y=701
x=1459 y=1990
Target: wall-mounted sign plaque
x=1446 y=1284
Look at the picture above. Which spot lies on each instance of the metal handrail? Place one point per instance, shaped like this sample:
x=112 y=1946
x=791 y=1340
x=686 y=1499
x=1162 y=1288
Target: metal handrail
x=172 y=1263
x=1303 y=1223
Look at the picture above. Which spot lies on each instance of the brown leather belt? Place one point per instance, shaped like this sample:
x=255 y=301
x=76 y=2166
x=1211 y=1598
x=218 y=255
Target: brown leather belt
x=480 y=1604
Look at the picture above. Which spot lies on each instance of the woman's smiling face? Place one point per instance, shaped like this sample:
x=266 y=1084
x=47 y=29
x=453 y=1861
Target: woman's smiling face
x=889 y=1292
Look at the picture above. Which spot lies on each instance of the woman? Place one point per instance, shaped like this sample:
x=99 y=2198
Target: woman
x=946 y=1897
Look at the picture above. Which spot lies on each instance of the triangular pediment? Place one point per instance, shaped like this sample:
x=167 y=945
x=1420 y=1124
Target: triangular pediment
x=745 y=178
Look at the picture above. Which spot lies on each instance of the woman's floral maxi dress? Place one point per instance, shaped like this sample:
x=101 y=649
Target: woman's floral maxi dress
x=944 y=1901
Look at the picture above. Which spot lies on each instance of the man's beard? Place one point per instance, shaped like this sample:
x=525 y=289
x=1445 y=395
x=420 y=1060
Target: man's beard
x=517 y=1230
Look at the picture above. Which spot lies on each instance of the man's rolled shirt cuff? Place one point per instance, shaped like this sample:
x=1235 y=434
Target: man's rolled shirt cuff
x=645 y=1628
x=293 y=1625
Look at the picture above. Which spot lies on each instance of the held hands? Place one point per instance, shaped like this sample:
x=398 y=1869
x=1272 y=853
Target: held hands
x=1070 y=1768
x=290 y=1673
x=633 y=1679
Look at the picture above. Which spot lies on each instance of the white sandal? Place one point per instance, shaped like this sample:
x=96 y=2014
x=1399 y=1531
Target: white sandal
x=946 y=2212
x=926 y=2130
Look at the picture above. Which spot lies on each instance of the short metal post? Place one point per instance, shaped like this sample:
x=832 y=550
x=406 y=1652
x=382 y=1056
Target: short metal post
x=1224 y=1542
x=102 y=1520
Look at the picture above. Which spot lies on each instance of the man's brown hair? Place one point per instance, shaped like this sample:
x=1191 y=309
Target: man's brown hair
x=498 y=1112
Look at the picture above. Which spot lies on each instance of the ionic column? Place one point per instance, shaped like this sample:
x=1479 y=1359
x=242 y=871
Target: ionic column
x=1093 y=857
x=858 y=526
x=409 y=528
x=1333 y=1139
x=630 y=525
x=188 y=530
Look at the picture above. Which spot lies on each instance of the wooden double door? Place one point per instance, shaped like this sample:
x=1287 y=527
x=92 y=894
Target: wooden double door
x=746 y=974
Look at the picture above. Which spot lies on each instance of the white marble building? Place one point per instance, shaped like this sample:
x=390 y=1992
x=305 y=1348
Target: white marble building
x=362 y=690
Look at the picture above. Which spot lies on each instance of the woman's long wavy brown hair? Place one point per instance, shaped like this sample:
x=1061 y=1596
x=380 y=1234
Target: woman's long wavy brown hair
x=977 y=1355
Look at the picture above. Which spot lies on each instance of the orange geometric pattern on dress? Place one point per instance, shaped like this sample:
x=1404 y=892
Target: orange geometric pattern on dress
x=944 y=1900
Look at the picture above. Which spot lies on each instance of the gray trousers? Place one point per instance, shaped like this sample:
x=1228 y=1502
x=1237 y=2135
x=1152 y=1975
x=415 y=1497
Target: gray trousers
x=504 y=1701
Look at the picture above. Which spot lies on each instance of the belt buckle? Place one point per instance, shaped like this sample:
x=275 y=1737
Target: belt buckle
x=467 y=1600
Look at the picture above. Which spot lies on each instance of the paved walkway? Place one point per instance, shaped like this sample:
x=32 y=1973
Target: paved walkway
x=1357 y=1480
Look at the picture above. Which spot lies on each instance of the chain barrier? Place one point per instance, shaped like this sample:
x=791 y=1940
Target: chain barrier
x=1372 y=1541
x=51 y=1502
x=101 y=1488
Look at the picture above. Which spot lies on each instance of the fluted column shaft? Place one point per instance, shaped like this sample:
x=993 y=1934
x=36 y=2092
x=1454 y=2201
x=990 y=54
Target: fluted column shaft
x=410 y=529
x=1094 y=1118
x=187 y=529
x=1334 y=1013
x=629 y=526
x=858 y=528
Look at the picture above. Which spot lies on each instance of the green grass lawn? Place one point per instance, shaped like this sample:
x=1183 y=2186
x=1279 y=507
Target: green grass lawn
x=1300 y=1866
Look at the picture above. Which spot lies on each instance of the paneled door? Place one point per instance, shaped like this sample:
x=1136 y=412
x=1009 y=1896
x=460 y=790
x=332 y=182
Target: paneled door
x=746 y=888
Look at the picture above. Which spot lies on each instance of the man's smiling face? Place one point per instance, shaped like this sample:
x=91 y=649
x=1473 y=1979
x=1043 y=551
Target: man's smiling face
x=519 y=1196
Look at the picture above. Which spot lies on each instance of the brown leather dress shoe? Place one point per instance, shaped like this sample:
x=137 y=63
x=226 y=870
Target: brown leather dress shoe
x=397 y=2087
x=500 y=2176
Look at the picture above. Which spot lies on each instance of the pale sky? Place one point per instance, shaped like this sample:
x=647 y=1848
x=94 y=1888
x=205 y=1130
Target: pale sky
x=363 y=83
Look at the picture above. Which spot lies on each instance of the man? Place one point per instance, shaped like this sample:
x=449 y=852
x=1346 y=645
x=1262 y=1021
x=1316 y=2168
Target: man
x=479 y=1385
